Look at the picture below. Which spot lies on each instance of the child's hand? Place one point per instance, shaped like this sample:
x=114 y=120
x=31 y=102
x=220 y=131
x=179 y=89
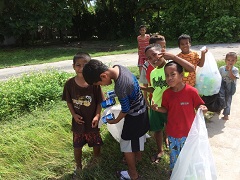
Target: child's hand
x=154 y=106
x=94 y=122
x=204 y=51
x=204 y=108
x=167 y=55
x=78 y=119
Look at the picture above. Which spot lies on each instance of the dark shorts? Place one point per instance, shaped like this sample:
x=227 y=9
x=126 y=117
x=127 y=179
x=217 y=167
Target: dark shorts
x=157 y=120
x=92 y=139
x=135 y=126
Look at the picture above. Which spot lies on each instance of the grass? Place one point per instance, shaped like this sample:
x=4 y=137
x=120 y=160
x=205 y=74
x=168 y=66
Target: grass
x=10 y=57
x=37 y=54
x=39 y=146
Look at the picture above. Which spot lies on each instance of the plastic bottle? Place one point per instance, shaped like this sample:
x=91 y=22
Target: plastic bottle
x=108 y=102
x=111 y=94
x=108 y=117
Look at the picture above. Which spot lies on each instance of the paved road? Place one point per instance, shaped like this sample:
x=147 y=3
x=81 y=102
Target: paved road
x=223 y=135
x=219 y=51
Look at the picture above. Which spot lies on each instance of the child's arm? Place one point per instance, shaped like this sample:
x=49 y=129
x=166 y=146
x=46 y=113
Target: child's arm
x=147 y=89
x=231 y=75
x=76 y=117
x=145 y=95
x=189 y=67
x=121 y=115
x=202 y=60
x=97 y=116
x=159 y=109
x=204 y=108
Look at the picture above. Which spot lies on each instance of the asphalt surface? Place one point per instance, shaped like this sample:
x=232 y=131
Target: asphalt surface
x=224 y=136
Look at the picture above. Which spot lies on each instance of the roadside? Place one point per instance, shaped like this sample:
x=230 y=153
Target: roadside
x=218 y=50
x=223 y=135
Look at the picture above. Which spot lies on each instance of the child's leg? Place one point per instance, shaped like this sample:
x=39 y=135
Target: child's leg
x=165 y=136
x=78 y=157
x=175 y=146
x=131 y=162
x=159 y=141
x=140 y=70
x=226 y=110
x=96 y=151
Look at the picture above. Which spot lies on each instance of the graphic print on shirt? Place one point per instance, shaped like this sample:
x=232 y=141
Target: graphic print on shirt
x=82 y=101
x=159 y=82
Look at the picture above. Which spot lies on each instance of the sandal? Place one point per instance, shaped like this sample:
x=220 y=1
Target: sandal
x=123 y=175
x=156 y=159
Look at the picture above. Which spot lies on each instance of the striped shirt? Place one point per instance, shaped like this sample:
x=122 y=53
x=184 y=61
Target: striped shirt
x=128 y=92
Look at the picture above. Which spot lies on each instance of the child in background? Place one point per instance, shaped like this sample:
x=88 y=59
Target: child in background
x=158 y=86
x=133 y=110
x=229 y=74
x=184 y=43
x=145 y=80
x=143 y=42
x=83 y=101
x=180 y=101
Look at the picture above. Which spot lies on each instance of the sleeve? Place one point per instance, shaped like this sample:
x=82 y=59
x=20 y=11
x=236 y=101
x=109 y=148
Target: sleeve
x=164 y=100
x=98 y=94
x=142 y=78
x=197 y=100
x=196 y=56
x=66 y=96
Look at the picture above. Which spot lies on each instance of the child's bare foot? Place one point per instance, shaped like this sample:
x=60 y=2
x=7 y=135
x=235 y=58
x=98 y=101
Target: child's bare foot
x=157 y=157
x=225 y=117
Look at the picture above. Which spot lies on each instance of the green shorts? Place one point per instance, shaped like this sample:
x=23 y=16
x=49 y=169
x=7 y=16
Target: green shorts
x=157 y=120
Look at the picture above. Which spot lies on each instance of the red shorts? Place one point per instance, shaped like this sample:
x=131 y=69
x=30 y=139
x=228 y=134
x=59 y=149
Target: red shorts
x=91 y=138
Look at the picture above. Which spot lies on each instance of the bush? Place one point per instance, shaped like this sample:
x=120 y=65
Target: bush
x=223 y=29
x=30 y=91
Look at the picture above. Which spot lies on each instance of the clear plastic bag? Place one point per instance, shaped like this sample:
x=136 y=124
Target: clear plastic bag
x=208 y=77
x=195 y=161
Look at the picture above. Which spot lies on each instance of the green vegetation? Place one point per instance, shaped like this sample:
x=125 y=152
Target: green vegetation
x=36 y=141
x=38 y=55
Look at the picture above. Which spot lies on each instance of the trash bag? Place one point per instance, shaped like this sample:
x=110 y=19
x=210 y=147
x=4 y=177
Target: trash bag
x=208 y=77
x=114 y=129
x=195 y=161
x=214 y=103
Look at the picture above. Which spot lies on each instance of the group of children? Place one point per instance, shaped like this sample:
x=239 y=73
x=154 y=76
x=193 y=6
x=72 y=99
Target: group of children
x=170 y=108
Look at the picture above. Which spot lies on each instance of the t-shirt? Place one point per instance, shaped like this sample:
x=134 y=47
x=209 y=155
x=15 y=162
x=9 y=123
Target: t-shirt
x=145 y=75
x=85 y=101
x=194 y=59
x=225 y=74
x=180 y=107
x=158 y=82
x=132 y=102
x=142 y=44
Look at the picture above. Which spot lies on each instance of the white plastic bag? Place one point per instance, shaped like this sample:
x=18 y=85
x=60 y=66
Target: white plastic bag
x=208 y=78
x=195 y=161
x=114 y=129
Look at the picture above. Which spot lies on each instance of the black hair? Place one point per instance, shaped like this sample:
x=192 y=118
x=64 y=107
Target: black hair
x=153 y=46
x=172 y=63
x=183 y=36
x=81 y=55
x=156 y=37
x=92 y=71
x=142 y=26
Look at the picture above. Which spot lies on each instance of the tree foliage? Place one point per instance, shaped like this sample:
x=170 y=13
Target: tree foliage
x=112 y=19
